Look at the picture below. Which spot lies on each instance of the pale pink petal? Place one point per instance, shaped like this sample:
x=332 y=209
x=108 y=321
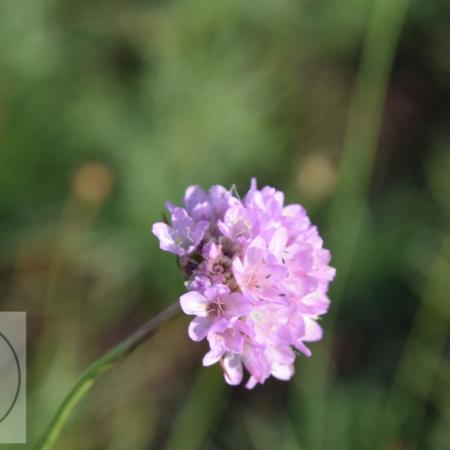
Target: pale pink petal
x=303 y=348
x=211 y=358
x=194 y=303
x=282 y=371
x=232 y=367
x=251 y=383
x=162 y=232
x=278 y=242
x=313 y=331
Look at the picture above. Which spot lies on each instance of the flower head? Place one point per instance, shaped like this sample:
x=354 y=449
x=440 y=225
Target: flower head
x=257 y=277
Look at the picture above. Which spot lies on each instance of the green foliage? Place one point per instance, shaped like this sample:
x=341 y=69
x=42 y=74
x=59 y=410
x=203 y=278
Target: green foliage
x=110 y=108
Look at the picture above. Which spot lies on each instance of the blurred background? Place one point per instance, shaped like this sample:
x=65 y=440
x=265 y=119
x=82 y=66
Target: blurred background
x=110 y=108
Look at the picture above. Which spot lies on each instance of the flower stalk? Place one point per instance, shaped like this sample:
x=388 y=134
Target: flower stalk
x=98 y=368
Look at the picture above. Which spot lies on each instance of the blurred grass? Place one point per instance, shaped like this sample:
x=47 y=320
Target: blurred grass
x=108 y=109
x=349 y=206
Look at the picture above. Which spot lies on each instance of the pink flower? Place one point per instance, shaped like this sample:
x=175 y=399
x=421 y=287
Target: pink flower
x=257 y=278
x=258 y=274
x=215 y=310
x=183 y=236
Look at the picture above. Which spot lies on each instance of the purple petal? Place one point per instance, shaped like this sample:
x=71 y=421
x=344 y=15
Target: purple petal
x=217 y=291
x=193 y=196
x=238 y=305
x=199 y=328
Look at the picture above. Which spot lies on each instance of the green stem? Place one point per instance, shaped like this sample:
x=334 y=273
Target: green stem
x=98 y=368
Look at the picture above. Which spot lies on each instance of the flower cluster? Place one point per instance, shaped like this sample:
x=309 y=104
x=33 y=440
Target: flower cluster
x=257 y=278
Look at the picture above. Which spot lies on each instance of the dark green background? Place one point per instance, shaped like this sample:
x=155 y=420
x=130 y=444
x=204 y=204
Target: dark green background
x=110 y=108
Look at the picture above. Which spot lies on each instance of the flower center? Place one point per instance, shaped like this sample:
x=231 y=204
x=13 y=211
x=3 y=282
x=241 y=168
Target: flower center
x=217 y=307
